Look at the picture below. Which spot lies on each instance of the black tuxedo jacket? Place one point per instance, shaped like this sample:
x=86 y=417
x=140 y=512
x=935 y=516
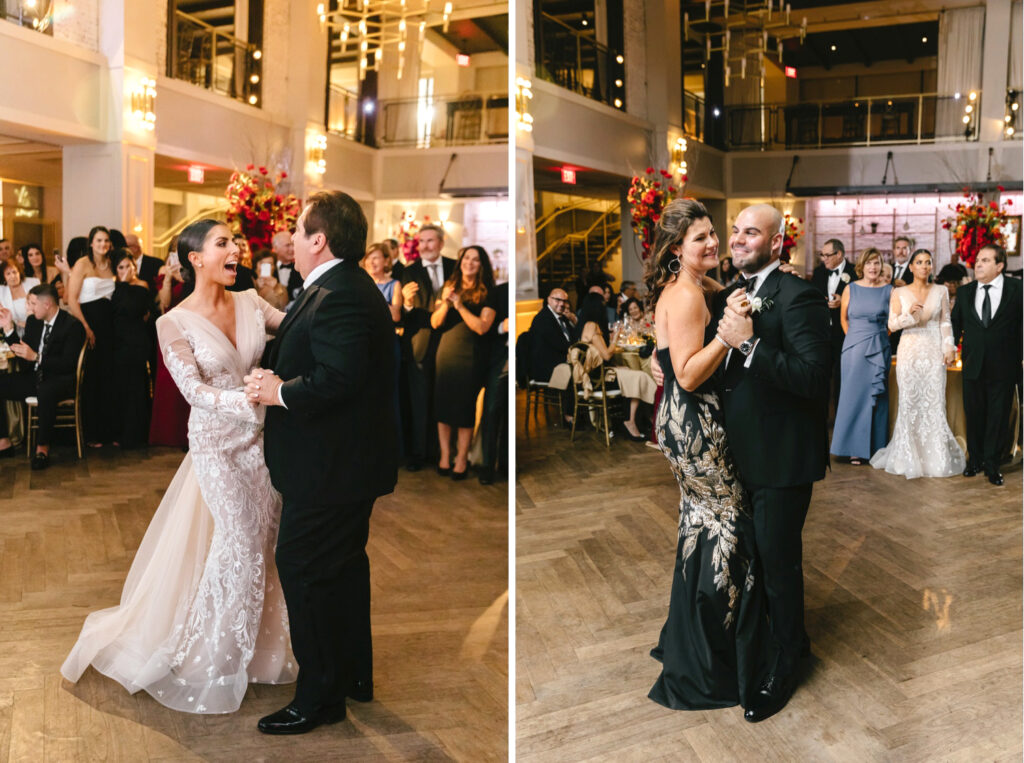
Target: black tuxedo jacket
x=548 y=345
x=60 y=356
x=336 y=440
x=907 y=278
x=295 y=281
x=775 y=411
x=820 y=280
x=417 y=320
x=993 y=353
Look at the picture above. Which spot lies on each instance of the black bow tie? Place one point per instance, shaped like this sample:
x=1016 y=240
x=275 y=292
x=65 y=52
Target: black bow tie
x=747 y=283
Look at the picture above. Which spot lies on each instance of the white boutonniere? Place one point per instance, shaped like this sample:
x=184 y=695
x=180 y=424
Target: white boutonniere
x=844 y=277
x=758 y=305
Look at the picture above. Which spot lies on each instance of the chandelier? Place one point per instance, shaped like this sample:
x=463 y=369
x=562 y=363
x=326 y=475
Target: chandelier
x=744 y=33
x=367 y=26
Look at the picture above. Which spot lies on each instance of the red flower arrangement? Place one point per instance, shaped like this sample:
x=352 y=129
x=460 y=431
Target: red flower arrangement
x=256 y=206
x=408 y=230
x=791 y=233
x=647 y=198
x=975 y=224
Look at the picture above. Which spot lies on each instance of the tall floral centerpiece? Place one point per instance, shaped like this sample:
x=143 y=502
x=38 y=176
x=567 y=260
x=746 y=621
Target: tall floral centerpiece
x=791 y=233
x=256 y=206
x=647 y=197
x=408 y=228
x=975 y=224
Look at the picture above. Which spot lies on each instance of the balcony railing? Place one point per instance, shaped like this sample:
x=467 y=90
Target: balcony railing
x=575 y=62
x=468 y=119
x=883 y=120
x=216 y=61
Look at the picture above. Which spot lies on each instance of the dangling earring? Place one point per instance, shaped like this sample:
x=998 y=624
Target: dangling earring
x=677 y=268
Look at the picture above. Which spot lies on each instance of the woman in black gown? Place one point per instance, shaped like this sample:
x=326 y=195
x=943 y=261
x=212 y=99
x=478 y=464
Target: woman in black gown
x=712 y=644
x=464 y=314
x=131 y=304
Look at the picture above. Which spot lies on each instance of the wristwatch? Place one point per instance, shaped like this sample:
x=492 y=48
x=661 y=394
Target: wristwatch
x=747 y=346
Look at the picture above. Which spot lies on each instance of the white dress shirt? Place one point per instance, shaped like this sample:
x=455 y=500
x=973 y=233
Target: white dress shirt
x=994 y=294
x=760 y=275
x=435 y=270
x=834 y=279
x=42 y=338
x=899 y=270
x=284 y=273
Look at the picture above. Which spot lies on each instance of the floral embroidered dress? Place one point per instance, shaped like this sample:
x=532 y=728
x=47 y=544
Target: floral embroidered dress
x=712 y=644
x=202 y=613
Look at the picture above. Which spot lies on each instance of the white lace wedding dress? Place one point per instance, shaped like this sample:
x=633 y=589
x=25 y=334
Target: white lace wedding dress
x=202 y=613
x=922 y=444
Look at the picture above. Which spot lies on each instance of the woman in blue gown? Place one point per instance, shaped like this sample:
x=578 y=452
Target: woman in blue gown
x=862 y=416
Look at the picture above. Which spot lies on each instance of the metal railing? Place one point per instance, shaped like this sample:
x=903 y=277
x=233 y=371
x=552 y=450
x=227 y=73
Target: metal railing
x=575 y=62
x=880 y=120
x=456 y=120
x=216 y=61
x=583 y=247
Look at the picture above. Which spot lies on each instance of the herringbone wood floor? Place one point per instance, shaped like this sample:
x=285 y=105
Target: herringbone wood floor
x=438 y=555
x=913 y=595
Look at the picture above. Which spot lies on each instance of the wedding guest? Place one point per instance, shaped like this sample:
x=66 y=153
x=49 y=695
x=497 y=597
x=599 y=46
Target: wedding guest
x=52 y=342
x=244 y=251
x=169 y=422
x=395 y=268
x=862 y=417
x=88 y=294
x=131 y=305
x=494 y=422
x=987 y=318
x=887 y=272
x=634 y=319
x=287 y=274
x=901 y=271
x=35 y=264
x=922 y=444
x=831 y=278
x=267 y=284
x=463 y=315
x=376 y=262
x=727 y=272
x=14 y=289
x=6 y=249
x=422 y=282
x=609 y=303
x=117 y=240
x=952 y=276
x=146 y=268
x=78 y=247
x=551 y=333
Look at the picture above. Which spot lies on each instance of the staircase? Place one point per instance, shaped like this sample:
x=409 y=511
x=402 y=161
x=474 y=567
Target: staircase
x=572 y=238
x=216 y=212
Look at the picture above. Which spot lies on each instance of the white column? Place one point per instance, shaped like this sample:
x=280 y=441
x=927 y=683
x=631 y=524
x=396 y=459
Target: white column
x=993 y=70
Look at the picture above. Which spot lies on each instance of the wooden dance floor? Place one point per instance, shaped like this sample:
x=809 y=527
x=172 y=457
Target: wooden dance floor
x=438 y=555
x=913 y=594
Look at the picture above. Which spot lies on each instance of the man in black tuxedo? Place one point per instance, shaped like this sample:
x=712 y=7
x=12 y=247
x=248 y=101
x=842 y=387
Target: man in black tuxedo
x=52 y=342
x=775 y=399
x=147 y=267
x=551 y=334
x=331 y=451
x=494 y=422
x=831 y=278
x=422 y=282
x=901 y=261
x=287 y=274
x=987 y=319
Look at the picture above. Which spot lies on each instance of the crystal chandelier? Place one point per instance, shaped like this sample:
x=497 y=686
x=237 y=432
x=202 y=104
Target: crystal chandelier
x=367 y=26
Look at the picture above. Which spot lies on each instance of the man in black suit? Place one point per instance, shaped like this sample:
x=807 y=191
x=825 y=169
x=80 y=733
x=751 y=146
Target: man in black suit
x=775 y=398
x=552 y=331
x=831 y=278
x=422 y=282
x=146 y=266
x=987 y=319
x=52 y=342
x=494 y=422
x=287 y=274
x=901 y=261
x=331 y=451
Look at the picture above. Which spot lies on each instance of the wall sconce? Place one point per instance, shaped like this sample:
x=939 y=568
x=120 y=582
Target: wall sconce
x=316 y=148
x=1010 y=124
x=524 y=94
x=679 y=155
x=970 y=113
x=144 y=104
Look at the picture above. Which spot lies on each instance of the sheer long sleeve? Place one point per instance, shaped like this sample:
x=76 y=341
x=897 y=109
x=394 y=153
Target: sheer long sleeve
x=900 y=320
x=945 y=324
x=181 y=363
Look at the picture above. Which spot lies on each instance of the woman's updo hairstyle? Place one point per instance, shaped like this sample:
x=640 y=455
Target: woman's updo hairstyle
x=671 y=228
x=191 y=240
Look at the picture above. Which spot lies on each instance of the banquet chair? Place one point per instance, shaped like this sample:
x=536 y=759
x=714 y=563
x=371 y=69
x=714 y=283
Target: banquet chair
x=591 y=391
x=537 y=391
x=69 y=412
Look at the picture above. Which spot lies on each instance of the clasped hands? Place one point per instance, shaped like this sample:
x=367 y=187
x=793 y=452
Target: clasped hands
x=261 y=387
x=736 y=325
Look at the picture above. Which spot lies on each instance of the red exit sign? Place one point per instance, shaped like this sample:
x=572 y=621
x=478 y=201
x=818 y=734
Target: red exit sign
x=791 y=72
x=196 y=174
x=568 y=176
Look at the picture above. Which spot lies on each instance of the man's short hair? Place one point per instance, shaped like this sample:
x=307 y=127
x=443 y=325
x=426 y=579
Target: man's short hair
x=436 y=228
x=998 y=251
x=45 y=290
x=340 y=218
x=837 y=245
x=626 y=285
x=908 y=239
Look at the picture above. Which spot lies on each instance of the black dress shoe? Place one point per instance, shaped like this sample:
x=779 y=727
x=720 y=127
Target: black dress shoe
x=486 y=476
x=41 y=461
x=360 y=691
x=770 y=698
x=291 y=720
x=7 y=452
x=994 y=477
x=970 y=470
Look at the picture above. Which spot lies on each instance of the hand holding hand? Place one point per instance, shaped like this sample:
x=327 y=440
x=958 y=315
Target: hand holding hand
x=950 y=357
x=24 y=352
x=735 y=328
x=261 y=387
x=738 y=302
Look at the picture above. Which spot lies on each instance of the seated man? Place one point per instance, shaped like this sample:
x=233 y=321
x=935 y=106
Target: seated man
x=552 y=331
x=49 y=354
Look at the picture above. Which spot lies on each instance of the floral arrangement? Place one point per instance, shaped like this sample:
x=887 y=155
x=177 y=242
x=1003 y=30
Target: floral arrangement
x=256 y=206
x=975 y=224
x=791 y=233
x=408 y=229
x=648 y=197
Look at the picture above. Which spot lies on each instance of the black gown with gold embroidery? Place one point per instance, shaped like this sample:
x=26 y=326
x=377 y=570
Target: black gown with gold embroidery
x=713 y=643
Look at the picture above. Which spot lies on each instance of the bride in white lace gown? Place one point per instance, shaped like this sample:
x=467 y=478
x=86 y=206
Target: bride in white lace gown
x=202 y=613
x=922 y=444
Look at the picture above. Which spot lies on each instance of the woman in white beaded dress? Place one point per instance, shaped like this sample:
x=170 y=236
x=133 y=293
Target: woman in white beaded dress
x=922 y=444
x=202 y=613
